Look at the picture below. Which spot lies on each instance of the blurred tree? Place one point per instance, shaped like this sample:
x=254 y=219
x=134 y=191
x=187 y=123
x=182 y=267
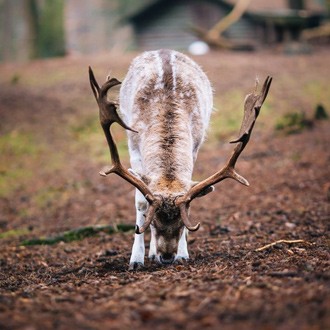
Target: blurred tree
x=14 y=31
x=47 y=19
x=296 y=4
x=31 y=28
x=128 y=6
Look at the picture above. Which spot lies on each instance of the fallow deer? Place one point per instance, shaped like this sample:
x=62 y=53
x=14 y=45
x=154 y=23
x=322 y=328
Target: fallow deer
x=166 y=102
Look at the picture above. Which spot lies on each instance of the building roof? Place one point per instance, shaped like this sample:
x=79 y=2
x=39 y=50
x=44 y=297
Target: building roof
x=277 y=5
x=135 y=8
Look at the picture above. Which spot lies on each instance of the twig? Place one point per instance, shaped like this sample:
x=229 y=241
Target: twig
x=279 y=242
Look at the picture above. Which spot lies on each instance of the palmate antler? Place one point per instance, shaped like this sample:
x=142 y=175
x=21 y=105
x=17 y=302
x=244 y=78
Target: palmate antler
x=252 y=106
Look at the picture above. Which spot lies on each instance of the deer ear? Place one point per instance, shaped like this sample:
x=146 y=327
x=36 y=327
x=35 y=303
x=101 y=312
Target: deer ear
x=204 y=192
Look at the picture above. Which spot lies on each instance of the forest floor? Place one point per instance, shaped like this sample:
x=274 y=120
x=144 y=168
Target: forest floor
x=52 y=149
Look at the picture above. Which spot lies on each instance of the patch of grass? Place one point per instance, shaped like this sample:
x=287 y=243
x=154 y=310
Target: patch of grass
x=18 y=150
x=320 y=113
x=317 y=91
x=18 y=144
x=14 y=233
x=44 y=198
x=293 y=122
x=49 y=197
x=88 y=135
x=78 y=234
x=228 y=115
x=226 y=118
x=15 y=79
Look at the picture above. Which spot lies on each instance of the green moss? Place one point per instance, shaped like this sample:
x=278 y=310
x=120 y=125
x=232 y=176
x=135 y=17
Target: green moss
x=78 y=234
x=14 y=233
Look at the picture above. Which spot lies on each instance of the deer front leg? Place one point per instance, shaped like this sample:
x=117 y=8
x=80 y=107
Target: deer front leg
x=183 y=247
x=152 y=249
x=138 y=250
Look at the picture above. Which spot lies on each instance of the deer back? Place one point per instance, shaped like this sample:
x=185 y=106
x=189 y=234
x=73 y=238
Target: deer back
x=167 y=98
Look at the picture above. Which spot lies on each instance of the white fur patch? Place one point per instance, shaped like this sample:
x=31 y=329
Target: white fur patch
x=173 y=70
x=160 y=72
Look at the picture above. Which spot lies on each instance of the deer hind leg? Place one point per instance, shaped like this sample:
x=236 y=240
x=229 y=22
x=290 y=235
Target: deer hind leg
x=183 y=247
x=138 y=250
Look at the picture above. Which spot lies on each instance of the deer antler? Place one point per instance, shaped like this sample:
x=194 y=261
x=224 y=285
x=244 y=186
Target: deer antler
x=252 y=106
x=108 y=115
x=185 y=217
x=149 y=216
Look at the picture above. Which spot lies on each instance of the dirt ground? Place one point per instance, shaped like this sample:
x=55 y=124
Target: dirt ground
x=226 y=284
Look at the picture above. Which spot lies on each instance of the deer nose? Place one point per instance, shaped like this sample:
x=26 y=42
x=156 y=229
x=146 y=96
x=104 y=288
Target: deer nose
x=167 y=258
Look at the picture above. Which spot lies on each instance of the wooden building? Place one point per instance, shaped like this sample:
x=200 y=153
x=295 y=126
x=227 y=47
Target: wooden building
x=169 y=23
x=94 y=26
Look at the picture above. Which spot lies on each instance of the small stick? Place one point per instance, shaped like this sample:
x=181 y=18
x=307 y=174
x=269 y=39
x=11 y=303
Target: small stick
x=279 y=242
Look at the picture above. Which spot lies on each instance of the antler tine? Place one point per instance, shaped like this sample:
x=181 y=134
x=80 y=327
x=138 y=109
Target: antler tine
x=94 y=85
x=111 y=82
x=108 y=110
x=101 y=92
x=149 y=216
x=185 y=218
x=252 y=106
x=108 y=115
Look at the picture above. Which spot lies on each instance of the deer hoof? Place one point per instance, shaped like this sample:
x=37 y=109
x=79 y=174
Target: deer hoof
x=152 y=257
x=133 y=266
x=181 y=260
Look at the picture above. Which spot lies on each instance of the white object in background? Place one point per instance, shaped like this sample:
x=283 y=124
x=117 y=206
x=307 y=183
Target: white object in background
x=198 y=48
